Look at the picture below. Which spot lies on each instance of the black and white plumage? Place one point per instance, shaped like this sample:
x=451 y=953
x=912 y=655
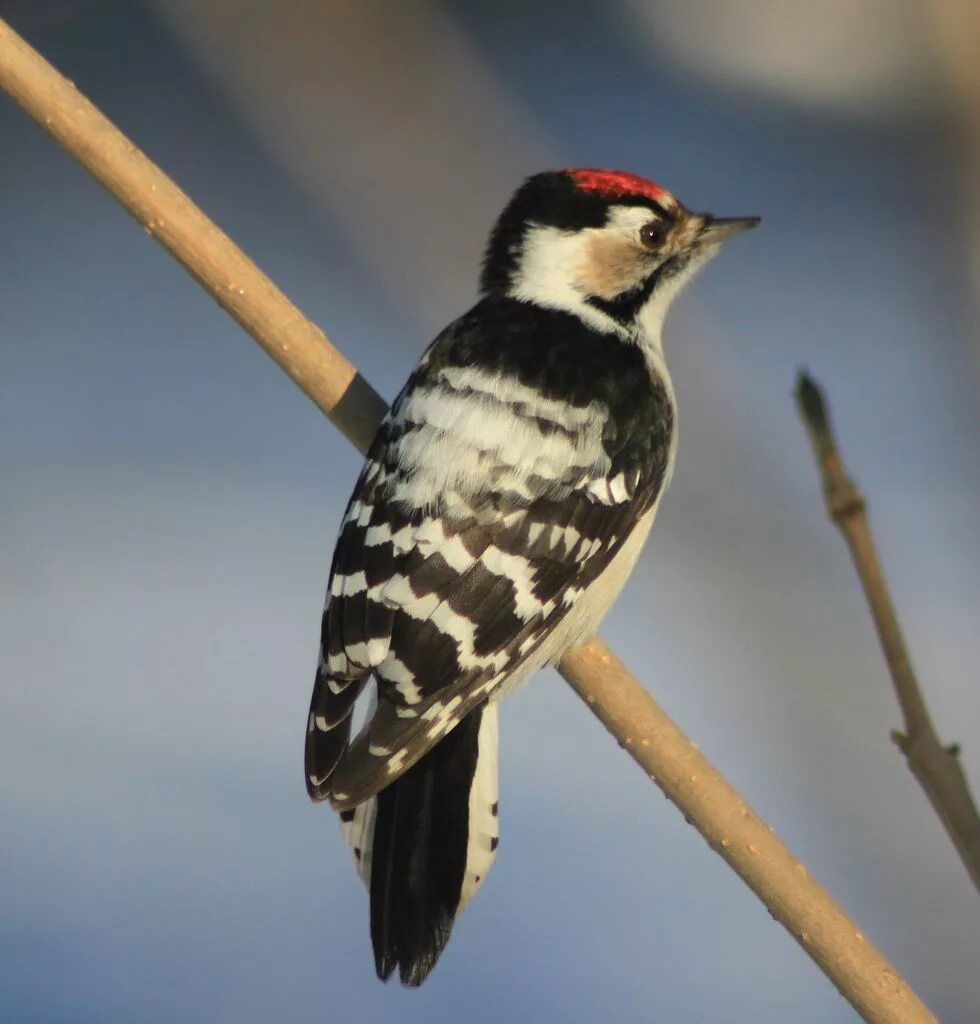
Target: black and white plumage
x=500 y=509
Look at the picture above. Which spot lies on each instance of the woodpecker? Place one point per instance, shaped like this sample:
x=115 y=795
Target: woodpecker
x=499 y=511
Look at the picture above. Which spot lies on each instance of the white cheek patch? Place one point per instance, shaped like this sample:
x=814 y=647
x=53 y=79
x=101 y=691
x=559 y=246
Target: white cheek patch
x=549 y=275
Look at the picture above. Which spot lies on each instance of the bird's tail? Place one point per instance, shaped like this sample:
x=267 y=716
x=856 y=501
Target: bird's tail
x=424 y=846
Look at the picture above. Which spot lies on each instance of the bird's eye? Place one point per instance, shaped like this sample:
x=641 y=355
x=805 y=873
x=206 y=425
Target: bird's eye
x=653 y=234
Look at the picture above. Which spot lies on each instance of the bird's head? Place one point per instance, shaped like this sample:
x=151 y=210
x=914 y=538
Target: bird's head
x=610 y=247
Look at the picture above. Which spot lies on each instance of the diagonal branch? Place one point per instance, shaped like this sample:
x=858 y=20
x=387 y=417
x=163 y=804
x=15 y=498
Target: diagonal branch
x=937 y=767
x=826 y=933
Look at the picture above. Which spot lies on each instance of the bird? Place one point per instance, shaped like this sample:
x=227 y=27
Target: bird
x=499 y=511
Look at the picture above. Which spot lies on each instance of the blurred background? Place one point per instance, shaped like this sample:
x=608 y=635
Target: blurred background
x=169 y=500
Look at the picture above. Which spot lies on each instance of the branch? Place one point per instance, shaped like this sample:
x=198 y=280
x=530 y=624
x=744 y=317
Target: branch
x=825 y=932
x=937 y=767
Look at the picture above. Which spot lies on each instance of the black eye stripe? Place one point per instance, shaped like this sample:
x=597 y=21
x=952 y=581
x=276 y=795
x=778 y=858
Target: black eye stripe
x=624 y=307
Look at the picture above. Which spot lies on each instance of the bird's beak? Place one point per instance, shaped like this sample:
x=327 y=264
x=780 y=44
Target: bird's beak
x=719 y=229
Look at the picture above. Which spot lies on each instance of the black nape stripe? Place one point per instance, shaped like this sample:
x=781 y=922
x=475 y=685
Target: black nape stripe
x=418 y=858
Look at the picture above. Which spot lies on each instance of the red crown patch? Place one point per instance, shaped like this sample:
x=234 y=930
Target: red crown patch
x=614 y=183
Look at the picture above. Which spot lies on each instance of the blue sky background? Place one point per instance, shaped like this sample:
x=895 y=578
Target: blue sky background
x=168 y=503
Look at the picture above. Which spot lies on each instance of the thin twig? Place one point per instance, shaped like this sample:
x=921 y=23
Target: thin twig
x=937 y=767
x=825 y=932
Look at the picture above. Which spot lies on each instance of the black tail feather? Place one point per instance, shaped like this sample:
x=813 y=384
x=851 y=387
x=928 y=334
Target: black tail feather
x=419 y=855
